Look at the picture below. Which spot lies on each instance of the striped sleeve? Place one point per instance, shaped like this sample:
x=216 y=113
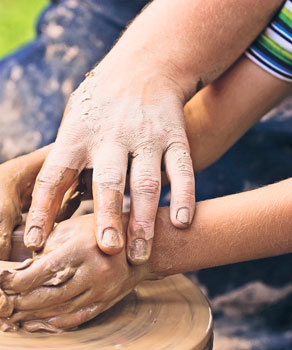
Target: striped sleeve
x=272 y=50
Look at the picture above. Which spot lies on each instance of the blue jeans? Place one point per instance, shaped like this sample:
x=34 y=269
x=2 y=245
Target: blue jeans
x=36 y=81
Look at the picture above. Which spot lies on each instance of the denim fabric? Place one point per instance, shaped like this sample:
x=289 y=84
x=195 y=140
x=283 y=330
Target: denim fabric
x=36 y=81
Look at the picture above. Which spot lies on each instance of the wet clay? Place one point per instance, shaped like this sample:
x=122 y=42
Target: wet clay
x=19 y=252
x=134 y=323
x=168 y=313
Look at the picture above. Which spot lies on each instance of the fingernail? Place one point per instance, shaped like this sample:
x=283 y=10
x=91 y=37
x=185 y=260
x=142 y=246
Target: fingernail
x=34 y=237
x=183 y=215
x=139 y=251
x=111 y=238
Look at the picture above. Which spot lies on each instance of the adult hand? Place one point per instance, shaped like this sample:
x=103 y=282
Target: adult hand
x=124 y=113
x=72 y=279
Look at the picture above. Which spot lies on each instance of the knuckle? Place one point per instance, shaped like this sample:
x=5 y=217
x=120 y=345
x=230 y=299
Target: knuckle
x=50 y=178
x=146 y=224
x=144 y=148
x=105 y=267
x=180 y=151
x=180 y=148
x=182 y=158
x=178 y=135
x=146 y=185
x=109 y=177
x=185 y=170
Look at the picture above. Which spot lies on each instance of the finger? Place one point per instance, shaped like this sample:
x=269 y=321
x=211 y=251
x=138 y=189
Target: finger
x=45 y=297
x=64 y=316
x=59 y=308
x=7 y=326
x=51 y=185
x=109 y=174
x=145 y=184
x=65 y=321
x=36 y=326
x=10 y=217
x=53 y=269
x=179 y=169
x=86 y=313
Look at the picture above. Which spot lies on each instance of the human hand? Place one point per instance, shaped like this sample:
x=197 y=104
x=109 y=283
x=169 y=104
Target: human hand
x=123 y=112
x=17 y=178
x=69 y=283
x=11 y=204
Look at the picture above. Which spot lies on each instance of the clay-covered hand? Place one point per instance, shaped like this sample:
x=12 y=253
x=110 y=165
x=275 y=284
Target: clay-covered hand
x=11 y=205
x=17 y=178
x=69 y=283
x=124 y=114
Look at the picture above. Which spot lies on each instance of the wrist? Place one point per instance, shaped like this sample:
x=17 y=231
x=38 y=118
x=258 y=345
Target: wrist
x=160 y=263
x=151 y=43
x=144 y=271
x=138 y=73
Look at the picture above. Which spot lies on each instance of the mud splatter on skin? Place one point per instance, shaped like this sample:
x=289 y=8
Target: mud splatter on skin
x=104 y=127
x=17 y=178
x=70 y=263
x=218 y=228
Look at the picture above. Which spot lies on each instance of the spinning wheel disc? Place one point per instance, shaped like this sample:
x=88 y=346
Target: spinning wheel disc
x=169 y=314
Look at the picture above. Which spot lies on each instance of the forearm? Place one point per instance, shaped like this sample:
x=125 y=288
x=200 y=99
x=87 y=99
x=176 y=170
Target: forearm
x=193 y=41
x=223 y=111
x=240 y=227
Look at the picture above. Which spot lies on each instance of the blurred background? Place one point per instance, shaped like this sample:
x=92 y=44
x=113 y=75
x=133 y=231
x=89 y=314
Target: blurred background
x=17 y=23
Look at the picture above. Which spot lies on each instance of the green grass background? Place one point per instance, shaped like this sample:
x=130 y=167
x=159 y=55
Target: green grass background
x=17 y=22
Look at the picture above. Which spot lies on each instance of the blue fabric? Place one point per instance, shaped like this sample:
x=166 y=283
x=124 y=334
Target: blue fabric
x=36 y=81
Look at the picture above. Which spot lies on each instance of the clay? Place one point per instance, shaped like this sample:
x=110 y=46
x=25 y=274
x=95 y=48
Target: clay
x=108 y=202
x=104 y=130
x=108 y=123
x=72 y=281
x=136 y=322
x=65 y=279
x=19 y=252
x=17 y=178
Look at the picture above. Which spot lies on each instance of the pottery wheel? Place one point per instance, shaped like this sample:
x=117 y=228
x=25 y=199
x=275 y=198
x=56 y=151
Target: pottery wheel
x=167 y=314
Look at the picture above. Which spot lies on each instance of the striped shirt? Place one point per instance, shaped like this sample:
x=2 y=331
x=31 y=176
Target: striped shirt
x=272 y=50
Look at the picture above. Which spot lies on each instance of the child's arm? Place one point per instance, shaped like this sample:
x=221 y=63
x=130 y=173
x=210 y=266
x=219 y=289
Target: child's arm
x=240 y=227
x=223 y=111
x=237 y=99
x=230 y=229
